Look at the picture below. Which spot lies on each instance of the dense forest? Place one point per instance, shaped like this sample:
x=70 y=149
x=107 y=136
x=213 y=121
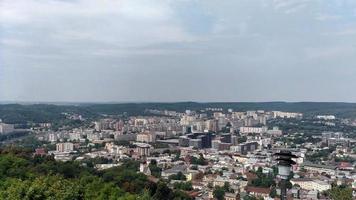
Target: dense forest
x=19 y=113
x=24 y=176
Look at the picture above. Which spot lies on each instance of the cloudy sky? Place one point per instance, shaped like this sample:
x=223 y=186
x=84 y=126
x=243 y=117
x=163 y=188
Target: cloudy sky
x=177 y=50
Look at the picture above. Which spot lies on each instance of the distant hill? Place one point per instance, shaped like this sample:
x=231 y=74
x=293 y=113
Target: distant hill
x=308 y=108
x=20 y=113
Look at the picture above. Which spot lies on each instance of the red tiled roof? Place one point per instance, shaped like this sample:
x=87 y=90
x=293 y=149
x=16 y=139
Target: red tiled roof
x=258 y=190
x=344 y=165
x=193 y=193
x=250 y=176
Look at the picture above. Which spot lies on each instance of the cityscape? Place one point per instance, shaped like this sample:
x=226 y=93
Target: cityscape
x=206 y=153
x=177 y=100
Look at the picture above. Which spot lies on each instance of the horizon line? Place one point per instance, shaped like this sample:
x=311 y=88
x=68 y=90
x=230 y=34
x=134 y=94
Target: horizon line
x=143 y=102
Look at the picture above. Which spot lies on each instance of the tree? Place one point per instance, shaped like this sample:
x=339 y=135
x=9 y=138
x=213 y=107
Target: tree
x=155 y=170
x=263 y=180
x=199 y=161
x=25 y=177
x=180 y=195
x=219 y=193
x=145 y=196
x=273 y=193
x=227 y=187
x=178 y=176
x=177 y=156
x=162 y=192
x=242 y=139
x=289 y=185
x=50 y=187
x=341 y=193
x=259 y=172
x=187 y=186
x=250 y=197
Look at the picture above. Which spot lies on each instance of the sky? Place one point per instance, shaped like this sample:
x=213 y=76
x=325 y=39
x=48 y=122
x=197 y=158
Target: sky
x=177 y=50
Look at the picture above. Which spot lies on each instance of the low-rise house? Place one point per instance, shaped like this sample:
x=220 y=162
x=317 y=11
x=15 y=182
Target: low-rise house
x=315 y=168
x=219 y=181
x=174 y=170
x=258 y=191
x=231 y=196
x=311 y=184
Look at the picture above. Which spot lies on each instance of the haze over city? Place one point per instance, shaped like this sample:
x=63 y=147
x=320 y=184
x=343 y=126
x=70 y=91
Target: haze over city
x=177 y=99
x=290 y=50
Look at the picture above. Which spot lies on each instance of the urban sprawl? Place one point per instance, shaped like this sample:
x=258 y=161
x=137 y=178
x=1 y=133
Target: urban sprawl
x=210 y=153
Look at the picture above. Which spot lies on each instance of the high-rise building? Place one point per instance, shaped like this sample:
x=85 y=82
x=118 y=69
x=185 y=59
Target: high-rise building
x=143 y=149
x=245 y=147
x=6 y=128
x=65 y=147
x=195 y=143
x=225 y=137
x=215 y=144
x=183 y=141
x=206 y=139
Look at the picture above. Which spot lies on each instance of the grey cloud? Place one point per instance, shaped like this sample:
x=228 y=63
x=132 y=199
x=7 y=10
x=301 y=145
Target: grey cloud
x=177 y=50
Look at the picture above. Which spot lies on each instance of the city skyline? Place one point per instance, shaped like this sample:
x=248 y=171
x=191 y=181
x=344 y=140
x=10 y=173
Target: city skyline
x=178 y=99
x=173 y=51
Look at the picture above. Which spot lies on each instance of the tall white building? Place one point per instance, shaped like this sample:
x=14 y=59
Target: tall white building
x=6 y=128
x=52 y=137
x=65 y=147
x=326 y=117
x=280 y=114
x=147 y=137
x=258 y=130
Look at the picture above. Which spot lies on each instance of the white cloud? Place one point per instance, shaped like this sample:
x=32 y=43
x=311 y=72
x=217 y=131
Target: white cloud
x=327 y=17
x=74 y=25
x=330 y=53
x=14 y=42
x=51 y=41
x=345 y=32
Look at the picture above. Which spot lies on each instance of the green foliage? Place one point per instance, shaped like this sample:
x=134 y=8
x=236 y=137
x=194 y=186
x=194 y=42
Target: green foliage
x=13 y=135
x=177 y=156
x=320 y=155
x=180 y=195
x=251 y=197
x=345 y=159
x=178 y=176
x=242 y=139
x=163 y=192
x=341 y=193
x=227 y=187
x=273 y=193
x=39 y=113
x=91 y=162
x=187 y=186
x=145 y=196
x=263 y=180
x=41 y=177
x=15 y=167
x=30 y=142
x=50 y=187
x=95 y=188
x=219 y=193
x=199 y=161
x=155 y=170
x=126 y=178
